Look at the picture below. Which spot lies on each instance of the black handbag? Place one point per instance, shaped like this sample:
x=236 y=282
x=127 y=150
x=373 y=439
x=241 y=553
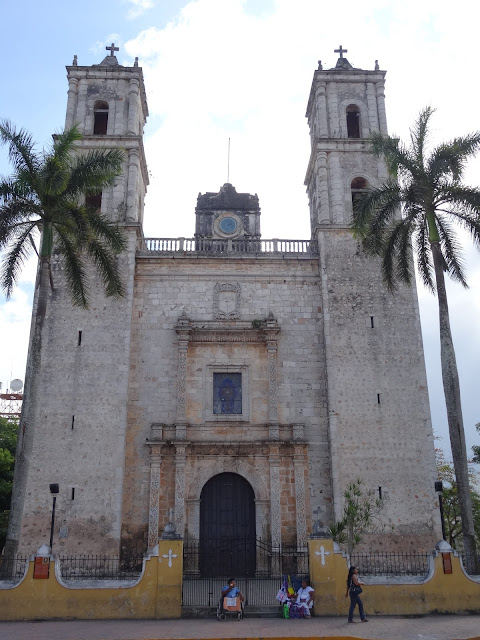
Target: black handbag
x=355 y=590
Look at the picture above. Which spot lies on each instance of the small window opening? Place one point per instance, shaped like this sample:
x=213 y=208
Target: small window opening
x=353 y=121
x=100 y=114
x=378 y=398
x=94 y=201
x=380 y=492
x=358 y=187
x=73 y=493
x=79 y=338
x=372 y=322
x=73 y=421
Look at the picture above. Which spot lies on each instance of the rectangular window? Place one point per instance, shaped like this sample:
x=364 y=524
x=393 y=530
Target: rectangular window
x=227 y=393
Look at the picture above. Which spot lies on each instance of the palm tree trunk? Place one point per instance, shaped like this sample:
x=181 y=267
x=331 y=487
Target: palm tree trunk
x=451 y=387
x=27 y=427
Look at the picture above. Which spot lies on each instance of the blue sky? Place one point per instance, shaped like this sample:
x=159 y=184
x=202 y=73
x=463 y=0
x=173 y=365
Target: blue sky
x=242 y=69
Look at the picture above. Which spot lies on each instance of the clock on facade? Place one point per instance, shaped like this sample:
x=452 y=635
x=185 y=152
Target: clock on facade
x=228 y=225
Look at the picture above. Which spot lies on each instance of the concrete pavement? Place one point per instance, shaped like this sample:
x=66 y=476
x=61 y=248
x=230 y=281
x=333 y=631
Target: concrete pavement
x=441 y=627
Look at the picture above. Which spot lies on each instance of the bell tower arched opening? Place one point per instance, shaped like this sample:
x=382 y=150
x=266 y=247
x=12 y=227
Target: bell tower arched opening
x=100 y=118
x=353 y=121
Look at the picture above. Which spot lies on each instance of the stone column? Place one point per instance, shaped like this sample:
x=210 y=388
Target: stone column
x=132 y=184
x=382 y=114
x=323 y=203
x=372 y=109
x=81 y=111
x=333 y=121
x=275 y=507
x=337 y=188
x=299 y=469
x=183 y=335
x=180 y=461
x=155 y=460
x=322 y=118
x=193 y=522
x=133 y=92
x=71 y=102
x=271 y=331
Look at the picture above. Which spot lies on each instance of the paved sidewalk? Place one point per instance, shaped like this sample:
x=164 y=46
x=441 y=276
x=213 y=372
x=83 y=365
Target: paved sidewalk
x=439 y=627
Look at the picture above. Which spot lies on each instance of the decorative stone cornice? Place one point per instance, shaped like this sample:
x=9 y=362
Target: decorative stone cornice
x=263 y=331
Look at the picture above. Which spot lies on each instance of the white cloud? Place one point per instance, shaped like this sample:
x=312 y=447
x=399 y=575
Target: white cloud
x=138 y=7
x=218 y=71
x=228 y=68
x=14 y=331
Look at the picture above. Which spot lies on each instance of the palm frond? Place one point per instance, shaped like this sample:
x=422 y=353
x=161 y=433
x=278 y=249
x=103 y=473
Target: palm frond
x=64 y=143
x=397 y=157
x=395 y=266
x=451 y=250
x=14 y=260
x=13 y=216
x=466 y=221
x=75 y=269
x=450 y=158
x=459 y=197
x=106 y=230
x=423 y=254
x=419 y=136
x=20 y=147
x=380 y=203
x=107 y=266
x=91 y=172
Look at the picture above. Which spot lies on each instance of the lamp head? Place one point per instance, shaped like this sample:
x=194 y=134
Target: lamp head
x=54 y=488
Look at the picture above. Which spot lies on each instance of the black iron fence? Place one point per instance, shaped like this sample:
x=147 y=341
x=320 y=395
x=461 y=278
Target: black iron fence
x=13 y=568
x=391 y=563
x=471 y=563
x=258 y=567
x=243 y=557
x=92 y=567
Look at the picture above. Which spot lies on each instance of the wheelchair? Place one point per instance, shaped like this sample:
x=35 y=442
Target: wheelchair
x=230 y=606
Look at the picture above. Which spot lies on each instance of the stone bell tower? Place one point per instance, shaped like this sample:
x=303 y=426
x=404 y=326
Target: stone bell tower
x=378 y=411
x=108 y=103
x=80 y=416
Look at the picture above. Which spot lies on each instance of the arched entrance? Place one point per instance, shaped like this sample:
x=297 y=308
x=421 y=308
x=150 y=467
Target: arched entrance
x=227 y=527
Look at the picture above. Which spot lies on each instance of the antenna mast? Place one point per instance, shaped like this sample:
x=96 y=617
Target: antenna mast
x=228 y=163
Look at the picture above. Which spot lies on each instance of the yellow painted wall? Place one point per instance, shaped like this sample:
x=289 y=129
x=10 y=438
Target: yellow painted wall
x=159 y=592
x=440 y=593
x=157 y=595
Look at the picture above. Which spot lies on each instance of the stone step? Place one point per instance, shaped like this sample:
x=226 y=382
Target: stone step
x=249 y=612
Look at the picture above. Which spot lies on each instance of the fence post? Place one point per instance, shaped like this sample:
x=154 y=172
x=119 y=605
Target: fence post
x=326 y=572
x=170 y=577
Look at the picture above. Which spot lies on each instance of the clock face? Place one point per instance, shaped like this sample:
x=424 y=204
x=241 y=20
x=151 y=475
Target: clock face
x=228 y=225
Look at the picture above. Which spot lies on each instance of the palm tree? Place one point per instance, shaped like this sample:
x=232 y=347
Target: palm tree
x=41 y=211
x=427 y=187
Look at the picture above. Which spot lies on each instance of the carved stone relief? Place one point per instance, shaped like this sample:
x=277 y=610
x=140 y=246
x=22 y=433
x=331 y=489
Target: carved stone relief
x=226 y=301
x=155 y=460
x=180 y=460
x=299 y=468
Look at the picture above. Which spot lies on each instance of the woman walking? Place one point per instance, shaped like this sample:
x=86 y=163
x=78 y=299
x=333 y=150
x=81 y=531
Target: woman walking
x=354 y=590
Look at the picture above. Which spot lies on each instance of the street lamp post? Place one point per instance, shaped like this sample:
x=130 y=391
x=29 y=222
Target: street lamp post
x=439 y=490
x=54 y=490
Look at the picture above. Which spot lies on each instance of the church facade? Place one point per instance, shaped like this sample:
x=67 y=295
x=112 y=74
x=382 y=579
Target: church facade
x=243 y=382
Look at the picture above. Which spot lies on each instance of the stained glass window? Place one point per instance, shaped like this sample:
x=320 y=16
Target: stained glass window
x=227 y=393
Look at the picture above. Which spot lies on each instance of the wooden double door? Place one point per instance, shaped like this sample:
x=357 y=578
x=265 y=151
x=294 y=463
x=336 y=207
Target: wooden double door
x=227 y=527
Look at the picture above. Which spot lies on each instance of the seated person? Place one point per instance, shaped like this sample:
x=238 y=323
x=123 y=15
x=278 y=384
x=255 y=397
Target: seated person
x=230 y=591
x=305 y=598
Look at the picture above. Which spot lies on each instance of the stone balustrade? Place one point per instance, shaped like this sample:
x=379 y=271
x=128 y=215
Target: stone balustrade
x=227 y=246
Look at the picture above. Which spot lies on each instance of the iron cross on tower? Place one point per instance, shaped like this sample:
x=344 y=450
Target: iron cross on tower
x=341 y=51
x=113 y=48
